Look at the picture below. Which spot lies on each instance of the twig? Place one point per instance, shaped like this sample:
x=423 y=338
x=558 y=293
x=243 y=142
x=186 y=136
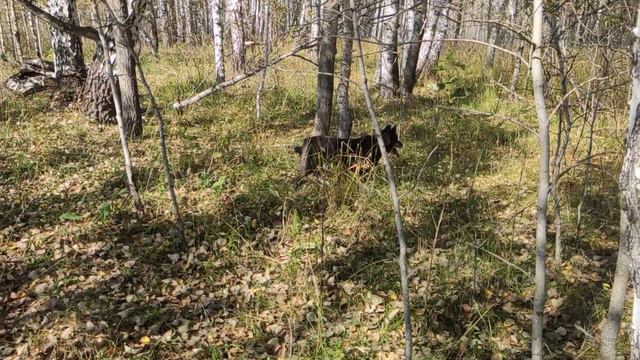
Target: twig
x=402 y=259
x=478 y=112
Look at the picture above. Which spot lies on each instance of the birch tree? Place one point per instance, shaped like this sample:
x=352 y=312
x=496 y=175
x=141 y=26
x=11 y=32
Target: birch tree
x=235 y=20
x=413 y=34
x=537 y=74
x=218 y=41
x=267 y=47
x=35 y=32
x=67 y=48
x=326 y=67
x=389 y=77
x=119 y=109
x=15 y=34
x=125 y=68
x=435 y=31
x=494 y=30
x=629 y=196
x=164 y=22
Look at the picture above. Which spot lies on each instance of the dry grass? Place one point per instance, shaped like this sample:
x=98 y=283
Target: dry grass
x=273 y=267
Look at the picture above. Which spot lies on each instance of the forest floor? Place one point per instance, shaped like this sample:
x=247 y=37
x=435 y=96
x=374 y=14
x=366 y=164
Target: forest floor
x=275 y=267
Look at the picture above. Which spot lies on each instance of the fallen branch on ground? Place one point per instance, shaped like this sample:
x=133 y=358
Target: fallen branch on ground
x=238 y=78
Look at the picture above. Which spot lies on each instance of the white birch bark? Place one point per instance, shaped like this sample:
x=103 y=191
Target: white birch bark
x=218 y=41
x=407 y=32
x=389 y=73
x=430 y=51
x=67 y=48
x=498 y=8
x=179 y=20
x=35 y=32
x=629 y=188
x=428 y=36
x=164 y=24
x=266 y=43
x=235 y=21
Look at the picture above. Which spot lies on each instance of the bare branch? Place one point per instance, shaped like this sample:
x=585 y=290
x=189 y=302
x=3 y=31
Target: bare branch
x=54 y=21
x=238 y=78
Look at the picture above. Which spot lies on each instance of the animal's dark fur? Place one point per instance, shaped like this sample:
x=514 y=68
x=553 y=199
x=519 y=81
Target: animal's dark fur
x=351 y=152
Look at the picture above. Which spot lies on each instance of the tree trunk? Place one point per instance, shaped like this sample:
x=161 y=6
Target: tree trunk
x=218 y=41
x=513 y=17
x=326 y=67
x=537 y=318
x=494 y=30
x=119 y=108
x=618 y=295
x=412 y=50
x=344 y=129
x=125 y=68
x=235 y=19
x=408 y=27
x=564 y=128
x=29 y=40
x=187 y=14
x=435 y=31
x=179 y=20
x=153 y=27
x=3 y=49
x=515 y=77
x=15 y=35
x=97 y=99
x=164 y=23
x=389 y=73
x=629 y=186
x=266 y=39
x=67 y=48
x=35 y=32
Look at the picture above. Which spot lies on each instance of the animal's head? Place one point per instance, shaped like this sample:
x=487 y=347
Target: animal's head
x=391 y=140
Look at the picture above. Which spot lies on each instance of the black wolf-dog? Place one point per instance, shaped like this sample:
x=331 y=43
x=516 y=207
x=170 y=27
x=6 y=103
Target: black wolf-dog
x=351 y=152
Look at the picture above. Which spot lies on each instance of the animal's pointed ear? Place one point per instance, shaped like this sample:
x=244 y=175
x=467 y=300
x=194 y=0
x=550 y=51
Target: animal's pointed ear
x=386 y=127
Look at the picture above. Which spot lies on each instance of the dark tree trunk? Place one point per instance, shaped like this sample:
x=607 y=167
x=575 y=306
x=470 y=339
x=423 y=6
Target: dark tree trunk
x=97 y=100
x=344 y=129
x=126 y=71
x=326 y=66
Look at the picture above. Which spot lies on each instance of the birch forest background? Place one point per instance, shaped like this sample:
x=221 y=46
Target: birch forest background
x=152 y=205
